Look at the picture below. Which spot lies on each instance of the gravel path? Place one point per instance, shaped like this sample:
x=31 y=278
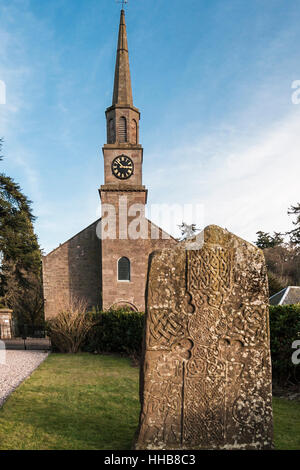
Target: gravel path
x=15 y=368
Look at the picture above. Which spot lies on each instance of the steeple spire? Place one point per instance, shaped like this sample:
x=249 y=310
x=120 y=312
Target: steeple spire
x=122 y=86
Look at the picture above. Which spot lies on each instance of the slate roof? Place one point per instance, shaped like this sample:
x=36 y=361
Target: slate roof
x=288 y=296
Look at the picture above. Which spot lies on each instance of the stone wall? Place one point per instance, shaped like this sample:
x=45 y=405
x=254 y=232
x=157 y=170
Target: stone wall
x=74 y=268
x=5 y=323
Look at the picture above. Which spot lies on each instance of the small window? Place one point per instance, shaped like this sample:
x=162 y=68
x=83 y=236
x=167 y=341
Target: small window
x=124 y=269
x=122 y=130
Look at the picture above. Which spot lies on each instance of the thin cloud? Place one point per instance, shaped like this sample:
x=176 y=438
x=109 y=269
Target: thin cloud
x=247 y=190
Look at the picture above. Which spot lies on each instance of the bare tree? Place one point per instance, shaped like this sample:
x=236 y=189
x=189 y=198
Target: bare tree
x=69 y=328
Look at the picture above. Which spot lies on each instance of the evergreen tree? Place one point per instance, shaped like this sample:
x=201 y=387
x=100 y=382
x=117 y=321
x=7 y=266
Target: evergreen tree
x=295 y=233
x=265 y=240
x=20 y=255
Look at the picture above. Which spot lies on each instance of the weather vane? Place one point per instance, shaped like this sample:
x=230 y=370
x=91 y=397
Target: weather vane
x=123 y=2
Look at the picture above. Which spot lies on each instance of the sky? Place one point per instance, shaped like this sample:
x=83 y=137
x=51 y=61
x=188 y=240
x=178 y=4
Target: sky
x=220 y=121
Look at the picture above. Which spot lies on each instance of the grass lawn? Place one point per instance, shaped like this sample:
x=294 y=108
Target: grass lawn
x=91 y=402
x=80 y=401
x=286 y=424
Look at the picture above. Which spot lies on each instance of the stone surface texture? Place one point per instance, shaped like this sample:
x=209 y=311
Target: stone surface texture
x=206 y=374
x=73 y=269
x=5 y=323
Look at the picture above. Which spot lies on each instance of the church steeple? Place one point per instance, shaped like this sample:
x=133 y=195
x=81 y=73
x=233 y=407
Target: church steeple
x=123 y=154
x=122 y=85
x=122 y=117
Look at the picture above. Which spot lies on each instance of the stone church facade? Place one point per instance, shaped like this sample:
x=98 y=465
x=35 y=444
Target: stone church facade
x=108 y=267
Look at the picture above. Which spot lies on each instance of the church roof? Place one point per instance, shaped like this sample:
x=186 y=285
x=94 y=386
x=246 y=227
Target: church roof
x=163 y=235
x=288 y=296
x=74 y=236
x=122 y=87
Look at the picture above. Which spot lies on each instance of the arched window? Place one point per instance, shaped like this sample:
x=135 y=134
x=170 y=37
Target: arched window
x=124 y=269
x=122 y=129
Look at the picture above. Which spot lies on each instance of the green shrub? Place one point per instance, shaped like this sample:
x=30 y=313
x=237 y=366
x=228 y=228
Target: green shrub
x=118 y=331
x=284 y=330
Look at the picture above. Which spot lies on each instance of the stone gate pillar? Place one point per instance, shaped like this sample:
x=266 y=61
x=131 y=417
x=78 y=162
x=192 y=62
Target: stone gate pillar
x=206 y=374
x=5 y=323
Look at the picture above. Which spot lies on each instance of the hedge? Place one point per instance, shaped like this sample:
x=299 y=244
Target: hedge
x=118 y=331
x=284 y=330
x=121 y=332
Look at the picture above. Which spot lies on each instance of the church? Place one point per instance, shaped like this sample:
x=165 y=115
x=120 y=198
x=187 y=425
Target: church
x=106 y=263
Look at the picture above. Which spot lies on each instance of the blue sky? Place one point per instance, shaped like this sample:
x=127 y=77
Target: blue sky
x=211 y=78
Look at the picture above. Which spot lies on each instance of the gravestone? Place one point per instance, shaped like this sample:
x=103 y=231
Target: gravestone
x=206 y=373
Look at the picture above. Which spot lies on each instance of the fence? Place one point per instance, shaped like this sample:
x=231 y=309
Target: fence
x=27 y=337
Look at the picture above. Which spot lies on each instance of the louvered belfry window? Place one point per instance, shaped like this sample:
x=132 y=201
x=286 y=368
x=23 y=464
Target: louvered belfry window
x=124 y=269
x=122 y=130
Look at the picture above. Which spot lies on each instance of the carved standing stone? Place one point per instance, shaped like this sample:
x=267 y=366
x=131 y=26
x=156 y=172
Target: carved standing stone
x=206 y=376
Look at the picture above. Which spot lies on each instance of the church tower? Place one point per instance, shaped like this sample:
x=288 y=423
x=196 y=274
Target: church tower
x=123 y=155
x=108 y=269
x=124 y=259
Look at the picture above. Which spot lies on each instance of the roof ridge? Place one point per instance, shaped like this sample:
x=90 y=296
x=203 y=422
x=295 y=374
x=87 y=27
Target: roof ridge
x=76 y=234
x=278 y=292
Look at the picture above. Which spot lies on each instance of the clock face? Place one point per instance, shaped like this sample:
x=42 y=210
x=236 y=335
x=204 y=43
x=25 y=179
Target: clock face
x=122 y=167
